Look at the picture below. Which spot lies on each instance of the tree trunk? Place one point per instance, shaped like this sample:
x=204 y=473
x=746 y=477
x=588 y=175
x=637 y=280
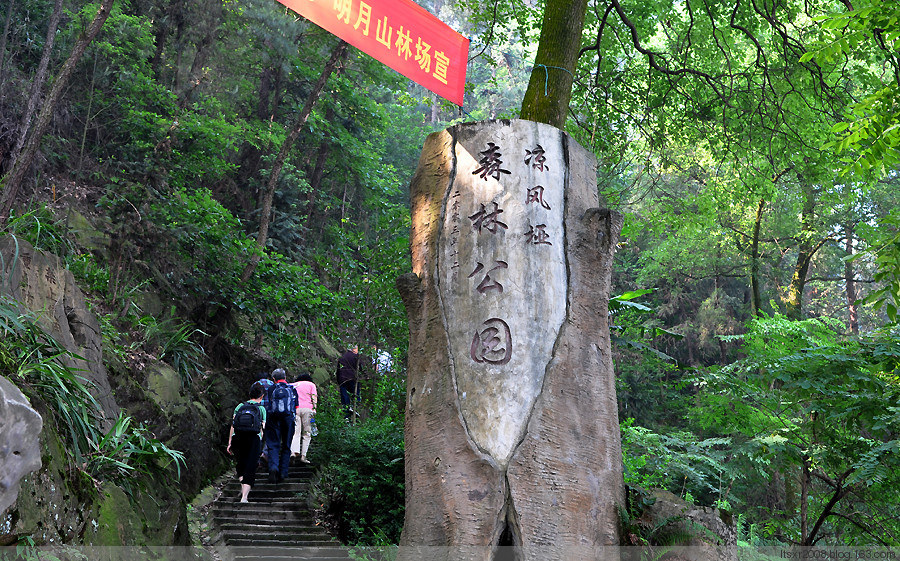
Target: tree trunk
x=37 y=83
x=13 y=180
x=9 y=13
x=804 y=500
x=793 y=300
x=849 y=283
x=315 y=180
x=550 y=87
x=195 y=75
x=755 y=297
x=269 y=194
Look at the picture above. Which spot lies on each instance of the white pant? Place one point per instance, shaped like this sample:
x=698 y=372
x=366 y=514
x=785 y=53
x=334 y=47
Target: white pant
x=302 y=432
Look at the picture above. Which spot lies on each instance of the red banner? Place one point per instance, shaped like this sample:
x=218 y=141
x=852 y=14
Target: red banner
x=399 y=33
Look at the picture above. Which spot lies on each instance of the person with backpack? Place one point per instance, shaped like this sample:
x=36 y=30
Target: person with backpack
x=280 y=411
x=244 y=439
x=306 y=408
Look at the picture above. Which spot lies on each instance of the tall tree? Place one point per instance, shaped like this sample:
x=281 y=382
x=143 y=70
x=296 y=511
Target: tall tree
x=37 y=82
x=13 y=180
x=269 y=193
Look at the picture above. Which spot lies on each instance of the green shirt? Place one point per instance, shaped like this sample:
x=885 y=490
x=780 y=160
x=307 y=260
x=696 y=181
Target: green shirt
x=262 y=411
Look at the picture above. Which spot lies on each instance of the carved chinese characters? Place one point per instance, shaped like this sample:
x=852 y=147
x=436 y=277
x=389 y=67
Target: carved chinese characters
x=503 y=274
x=512 y=435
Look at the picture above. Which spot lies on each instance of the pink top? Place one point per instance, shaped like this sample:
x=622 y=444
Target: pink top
x=306 y=392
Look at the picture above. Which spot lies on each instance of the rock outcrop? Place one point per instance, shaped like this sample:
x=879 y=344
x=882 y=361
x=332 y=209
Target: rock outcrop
x=61 y=503
x=40 y=282
x=20 y=453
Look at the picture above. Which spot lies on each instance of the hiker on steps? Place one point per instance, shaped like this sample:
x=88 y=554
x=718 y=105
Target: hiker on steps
x=264 y=380
x=306 y=409
x=244 y=439
x=281 y=410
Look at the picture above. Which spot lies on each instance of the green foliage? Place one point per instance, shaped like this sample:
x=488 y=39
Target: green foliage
x=809 y=400
x=173 y=341
x=42 y=230
x=620 y=305
x=680 y=462
x=40 y=365
x=887 y=261
x=870 y=133
x=362 y=483
x=90 y=274
x=127 y=451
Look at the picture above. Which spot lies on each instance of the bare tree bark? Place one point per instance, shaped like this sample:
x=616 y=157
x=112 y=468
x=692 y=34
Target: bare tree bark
x=269 y=194
x=550 y=87
x=755 y=297
x=9 y=12
x=37 y=83
x=13 y=180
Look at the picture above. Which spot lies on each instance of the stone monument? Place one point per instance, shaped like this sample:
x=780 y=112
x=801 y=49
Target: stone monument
x=512 y=434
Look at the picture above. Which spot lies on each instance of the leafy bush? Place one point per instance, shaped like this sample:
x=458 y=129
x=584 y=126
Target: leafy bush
x=173 y=342
x=127 y=450
x=362 y=486
x=679 y=462
x=90 y=275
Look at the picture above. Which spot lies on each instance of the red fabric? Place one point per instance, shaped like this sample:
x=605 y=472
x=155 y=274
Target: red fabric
x=397 y=32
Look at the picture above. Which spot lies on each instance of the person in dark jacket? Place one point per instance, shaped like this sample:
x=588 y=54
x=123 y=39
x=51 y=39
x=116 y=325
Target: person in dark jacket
x=348 y=379
x=280 y=428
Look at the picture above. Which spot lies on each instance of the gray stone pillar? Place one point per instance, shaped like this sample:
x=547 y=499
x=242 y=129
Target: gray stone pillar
x=20 y=452
x=512 y=434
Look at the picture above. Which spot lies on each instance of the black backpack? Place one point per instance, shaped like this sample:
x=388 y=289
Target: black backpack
x=281 y=399
x=248 y=418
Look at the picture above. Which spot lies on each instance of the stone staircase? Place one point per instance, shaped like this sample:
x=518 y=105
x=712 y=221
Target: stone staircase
x=276 y=524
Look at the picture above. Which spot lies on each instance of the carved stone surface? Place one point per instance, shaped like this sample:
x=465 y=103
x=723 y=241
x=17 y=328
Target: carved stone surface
x=20 y=452
x=511 y=428
x=502 y=274
x=40 y=282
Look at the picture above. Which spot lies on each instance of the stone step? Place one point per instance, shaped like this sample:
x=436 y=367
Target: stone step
x=262 y=493
x=278 y=529
x=268 y=517
x=263 y=483
x=264 y=539
x=276 y=525
x=288 y=553
x=262 y=509
x=274 y=542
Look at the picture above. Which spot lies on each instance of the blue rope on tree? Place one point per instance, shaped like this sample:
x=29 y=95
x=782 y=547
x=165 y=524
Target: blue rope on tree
x=547 y=76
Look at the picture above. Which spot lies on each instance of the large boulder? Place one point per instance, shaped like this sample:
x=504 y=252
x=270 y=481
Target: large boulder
x=20 y=453
x=689 y=532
